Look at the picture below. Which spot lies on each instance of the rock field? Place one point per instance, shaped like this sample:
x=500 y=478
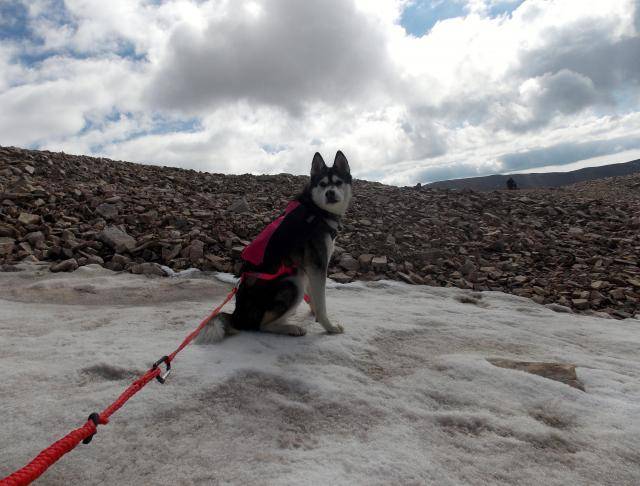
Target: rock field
x=575 y=249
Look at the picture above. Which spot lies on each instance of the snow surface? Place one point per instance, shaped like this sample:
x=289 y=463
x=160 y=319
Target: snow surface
x=405 y=396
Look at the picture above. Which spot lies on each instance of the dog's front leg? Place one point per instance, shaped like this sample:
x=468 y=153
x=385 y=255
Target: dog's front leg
x=317 y=280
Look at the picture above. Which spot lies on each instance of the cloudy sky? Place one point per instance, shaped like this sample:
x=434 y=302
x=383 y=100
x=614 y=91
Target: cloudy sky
x=411 y=90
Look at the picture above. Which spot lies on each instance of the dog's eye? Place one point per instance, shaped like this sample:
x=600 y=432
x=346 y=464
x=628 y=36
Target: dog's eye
x=323 y=184
x=338 y=183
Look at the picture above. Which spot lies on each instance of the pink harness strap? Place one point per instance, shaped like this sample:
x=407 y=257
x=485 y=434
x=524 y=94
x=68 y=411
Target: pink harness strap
x=254 y=252
x=282 y=271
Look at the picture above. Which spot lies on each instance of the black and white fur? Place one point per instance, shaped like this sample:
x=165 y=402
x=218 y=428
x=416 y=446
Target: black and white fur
x=265 y=305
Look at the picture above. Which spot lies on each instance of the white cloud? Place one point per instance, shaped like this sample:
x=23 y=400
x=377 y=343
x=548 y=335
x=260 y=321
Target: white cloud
x=289 y=55
x=260 y=85
x=62 y=95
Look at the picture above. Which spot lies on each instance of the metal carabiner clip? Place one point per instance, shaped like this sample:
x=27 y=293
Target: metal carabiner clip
x=162 y=377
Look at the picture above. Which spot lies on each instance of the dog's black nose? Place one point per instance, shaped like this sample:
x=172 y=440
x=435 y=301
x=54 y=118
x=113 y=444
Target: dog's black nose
x=331 y=197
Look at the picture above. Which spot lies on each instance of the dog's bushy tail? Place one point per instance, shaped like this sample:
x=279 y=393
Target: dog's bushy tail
x=216 y=330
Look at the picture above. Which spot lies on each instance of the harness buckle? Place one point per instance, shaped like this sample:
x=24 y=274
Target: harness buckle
x=162 y=377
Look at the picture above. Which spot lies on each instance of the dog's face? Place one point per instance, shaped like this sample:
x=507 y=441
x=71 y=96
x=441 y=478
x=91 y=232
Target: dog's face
x=331 y=186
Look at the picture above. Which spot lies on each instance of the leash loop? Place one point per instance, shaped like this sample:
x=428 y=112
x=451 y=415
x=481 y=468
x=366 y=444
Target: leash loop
x=95 y=418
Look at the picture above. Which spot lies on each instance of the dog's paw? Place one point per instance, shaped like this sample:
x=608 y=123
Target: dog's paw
x=334 y=329
x=296 y=331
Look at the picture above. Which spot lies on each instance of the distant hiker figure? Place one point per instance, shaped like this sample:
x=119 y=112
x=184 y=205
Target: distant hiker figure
x=511 y=184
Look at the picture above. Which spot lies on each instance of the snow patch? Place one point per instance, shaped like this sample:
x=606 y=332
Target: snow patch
x=405 y=396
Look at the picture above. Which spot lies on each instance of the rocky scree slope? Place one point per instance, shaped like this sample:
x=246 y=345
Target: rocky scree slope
x=576 y=249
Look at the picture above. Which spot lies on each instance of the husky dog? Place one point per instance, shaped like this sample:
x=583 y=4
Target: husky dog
x=289 y=260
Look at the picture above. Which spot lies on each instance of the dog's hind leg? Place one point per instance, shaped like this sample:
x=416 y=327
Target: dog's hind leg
x=280 y=326
x=284 y=303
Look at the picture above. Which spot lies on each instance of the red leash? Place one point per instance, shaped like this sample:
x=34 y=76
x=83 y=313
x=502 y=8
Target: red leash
x=55 y=451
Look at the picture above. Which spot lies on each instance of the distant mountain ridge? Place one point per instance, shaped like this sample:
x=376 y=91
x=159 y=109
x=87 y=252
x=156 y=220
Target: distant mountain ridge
x=539 y=180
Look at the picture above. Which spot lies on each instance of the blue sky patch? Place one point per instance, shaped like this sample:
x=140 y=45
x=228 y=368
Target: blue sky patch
x=14 y=21
x=421 y=15
x=273 y=148
x=504 y=7
x=159 y=126
x=15 y=28
x=164 y=125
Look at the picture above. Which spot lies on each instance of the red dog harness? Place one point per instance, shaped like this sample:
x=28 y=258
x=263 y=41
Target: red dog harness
x=254 y=253
x=266 y=255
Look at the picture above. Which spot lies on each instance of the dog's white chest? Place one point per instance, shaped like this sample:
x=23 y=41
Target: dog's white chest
x=328 y=241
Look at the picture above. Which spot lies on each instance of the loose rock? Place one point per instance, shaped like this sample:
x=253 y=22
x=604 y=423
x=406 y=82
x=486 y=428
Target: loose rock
x=65 y=266
x=148 y=268
x=379 y=264
x=28 y=219
x=564 y=373
x=340 y=277
x=117 y=239
x=107 y=211
x=348 y=262
x=240 y=206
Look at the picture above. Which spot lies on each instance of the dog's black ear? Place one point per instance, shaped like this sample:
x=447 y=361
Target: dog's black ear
x=318 y=166
x=340 y=163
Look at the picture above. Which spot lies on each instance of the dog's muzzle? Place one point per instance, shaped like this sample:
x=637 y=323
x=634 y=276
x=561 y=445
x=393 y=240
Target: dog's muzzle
x=331 y=197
